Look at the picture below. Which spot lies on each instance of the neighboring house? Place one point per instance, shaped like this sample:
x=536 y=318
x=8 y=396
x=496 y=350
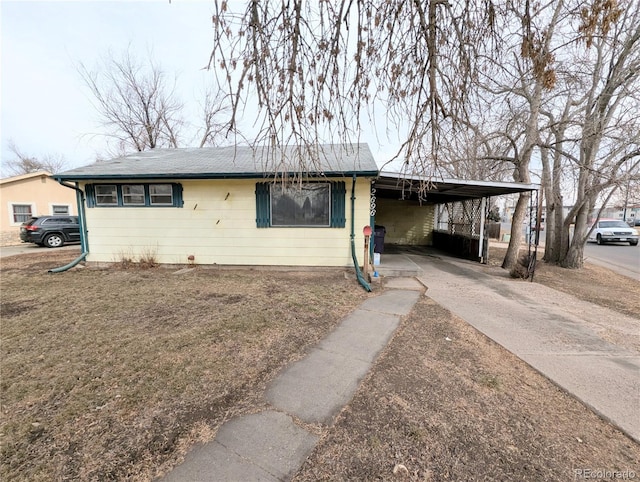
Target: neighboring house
x=28 y=195
x=223 y=206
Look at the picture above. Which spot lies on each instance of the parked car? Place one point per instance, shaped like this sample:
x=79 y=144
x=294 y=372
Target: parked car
x=51 y=231
x=613 y=230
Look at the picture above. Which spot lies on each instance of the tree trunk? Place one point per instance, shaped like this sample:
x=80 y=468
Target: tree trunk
x=575 y=256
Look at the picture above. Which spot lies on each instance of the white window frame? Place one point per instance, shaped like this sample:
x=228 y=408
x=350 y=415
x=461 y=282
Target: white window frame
x=151 y=196
x=126 y=197
x=12 y=222
x=68 y=206
x=115 y=189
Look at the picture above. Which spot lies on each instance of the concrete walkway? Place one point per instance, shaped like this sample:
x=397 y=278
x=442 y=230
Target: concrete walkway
x=271 y=445
x=591 y=352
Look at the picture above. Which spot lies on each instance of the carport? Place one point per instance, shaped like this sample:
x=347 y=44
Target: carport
x=446 y=214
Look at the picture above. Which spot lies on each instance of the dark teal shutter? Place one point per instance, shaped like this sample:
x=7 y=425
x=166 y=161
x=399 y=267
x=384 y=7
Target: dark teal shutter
x=90 y=195
x=263 y=213
x=338 y=194
x=177 y=195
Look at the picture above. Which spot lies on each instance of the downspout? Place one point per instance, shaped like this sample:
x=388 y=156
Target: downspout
x=83 y=230
x=359 y=275
x=372 y=222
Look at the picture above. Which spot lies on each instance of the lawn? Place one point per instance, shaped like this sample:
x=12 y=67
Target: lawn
x=113 y=374
x=110 y=374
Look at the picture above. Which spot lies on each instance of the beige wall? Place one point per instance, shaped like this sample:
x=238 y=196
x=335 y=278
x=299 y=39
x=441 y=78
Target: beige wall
x=406 y=222
x=217 y=225
x=37 y=190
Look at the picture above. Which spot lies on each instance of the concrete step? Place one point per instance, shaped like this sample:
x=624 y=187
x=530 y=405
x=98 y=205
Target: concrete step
x=397 y=265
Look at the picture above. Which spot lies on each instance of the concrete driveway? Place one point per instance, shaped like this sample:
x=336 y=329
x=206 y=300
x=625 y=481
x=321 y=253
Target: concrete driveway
x=590 y=351
x=27 y=248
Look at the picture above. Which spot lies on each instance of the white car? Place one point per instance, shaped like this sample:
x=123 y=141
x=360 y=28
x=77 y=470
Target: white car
x=613 y=230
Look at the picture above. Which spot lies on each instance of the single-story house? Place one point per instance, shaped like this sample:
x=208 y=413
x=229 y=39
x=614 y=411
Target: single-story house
x=245 y=206
x=28 y=195
x=224 y=206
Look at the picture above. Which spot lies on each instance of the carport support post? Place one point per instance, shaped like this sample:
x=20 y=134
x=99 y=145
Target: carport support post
x=367 y=236
x=483 y=215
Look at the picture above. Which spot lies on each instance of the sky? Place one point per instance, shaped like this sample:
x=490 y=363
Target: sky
x=46 y=108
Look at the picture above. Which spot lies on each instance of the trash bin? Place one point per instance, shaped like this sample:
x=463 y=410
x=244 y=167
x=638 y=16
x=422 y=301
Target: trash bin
x=378 y=239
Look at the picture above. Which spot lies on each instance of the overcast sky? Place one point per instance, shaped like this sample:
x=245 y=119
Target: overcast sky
x=45 y=107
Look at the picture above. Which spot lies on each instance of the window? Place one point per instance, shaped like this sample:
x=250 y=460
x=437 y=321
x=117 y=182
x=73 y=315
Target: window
x=57 y=209
x=59 y=221
x=106 y=195
x=312 y=204
x=300 y=205
x=160 y=194
x=21 y=213
x=134 y=195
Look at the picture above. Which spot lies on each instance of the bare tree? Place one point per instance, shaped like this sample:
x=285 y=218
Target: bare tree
x=579 y=117
x=594 y=136
x=316 y=69
x=211 y=132
x=140 y=109
x=26 y=164
x=516 y=84
x=137 y=105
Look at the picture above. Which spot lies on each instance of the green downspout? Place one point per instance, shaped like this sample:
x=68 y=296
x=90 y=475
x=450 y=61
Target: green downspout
x=359 y=275
x=372 y=223
x=83 y=230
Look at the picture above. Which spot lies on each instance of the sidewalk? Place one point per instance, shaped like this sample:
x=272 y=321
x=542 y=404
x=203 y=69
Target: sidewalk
x=272 y=445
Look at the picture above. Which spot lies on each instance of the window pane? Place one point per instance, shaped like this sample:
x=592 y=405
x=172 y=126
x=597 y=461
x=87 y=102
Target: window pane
x=106 y=195
x=306 y=205
x=21 y=213
x=133 y=194
x=58 y=220
x=59 y=209
x=161 y=194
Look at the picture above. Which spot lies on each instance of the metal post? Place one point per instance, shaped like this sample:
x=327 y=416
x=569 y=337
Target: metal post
x=483 y=207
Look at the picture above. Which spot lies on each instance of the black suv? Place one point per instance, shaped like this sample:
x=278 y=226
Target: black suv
x=51 y=231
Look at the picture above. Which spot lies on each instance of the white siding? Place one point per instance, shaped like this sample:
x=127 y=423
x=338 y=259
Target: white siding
x=217 y=225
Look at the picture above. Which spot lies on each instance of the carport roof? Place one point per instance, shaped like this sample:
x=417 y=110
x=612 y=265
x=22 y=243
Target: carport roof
x=397 y=185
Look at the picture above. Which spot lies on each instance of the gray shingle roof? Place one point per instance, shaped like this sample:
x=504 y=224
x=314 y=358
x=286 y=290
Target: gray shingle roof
x=232 y=162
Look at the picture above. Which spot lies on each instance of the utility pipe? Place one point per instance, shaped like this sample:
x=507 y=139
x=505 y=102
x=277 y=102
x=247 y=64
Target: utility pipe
x=359 y=275
x=83 y=230
x=70 y=265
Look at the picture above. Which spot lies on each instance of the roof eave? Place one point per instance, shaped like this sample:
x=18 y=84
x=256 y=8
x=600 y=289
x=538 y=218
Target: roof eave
x=202 y=176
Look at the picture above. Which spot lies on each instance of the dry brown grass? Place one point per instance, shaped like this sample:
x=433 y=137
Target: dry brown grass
x=110 y=374
x=444 y=402
x=592 y=283
x=447 y=403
